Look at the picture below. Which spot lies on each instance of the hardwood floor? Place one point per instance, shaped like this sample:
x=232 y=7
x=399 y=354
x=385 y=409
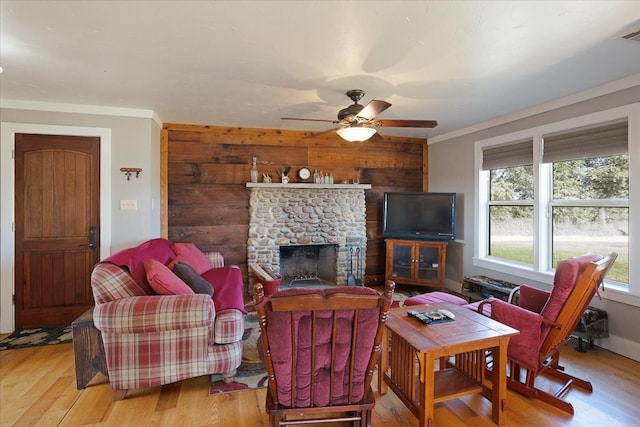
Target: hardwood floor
x=38 y=387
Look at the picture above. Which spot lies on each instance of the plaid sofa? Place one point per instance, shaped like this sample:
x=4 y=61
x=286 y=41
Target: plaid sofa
x=151 y=340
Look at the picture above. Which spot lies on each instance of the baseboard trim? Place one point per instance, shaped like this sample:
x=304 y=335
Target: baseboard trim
x=621 y=346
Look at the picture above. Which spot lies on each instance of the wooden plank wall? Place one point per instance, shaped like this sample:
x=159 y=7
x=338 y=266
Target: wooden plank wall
x=206 y=169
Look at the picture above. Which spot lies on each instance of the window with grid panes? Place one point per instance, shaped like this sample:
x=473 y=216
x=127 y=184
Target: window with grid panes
x=557 y=191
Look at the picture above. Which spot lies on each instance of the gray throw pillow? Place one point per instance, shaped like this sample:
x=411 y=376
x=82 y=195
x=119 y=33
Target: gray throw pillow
x=193 y=279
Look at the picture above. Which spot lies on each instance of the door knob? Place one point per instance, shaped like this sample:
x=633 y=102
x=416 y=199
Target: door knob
x=92 y=238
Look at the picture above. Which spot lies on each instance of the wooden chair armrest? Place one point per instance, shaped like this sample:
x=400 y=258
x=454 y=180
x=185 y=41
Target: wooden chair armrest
x=482 y=304
x=551 y=323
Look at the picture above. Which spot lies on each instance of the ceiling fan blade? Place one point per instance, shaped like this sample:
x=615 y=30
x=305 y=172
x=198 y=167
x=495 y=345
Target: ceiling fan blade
x=309 y=120
x=373 y=108
x=317 y=134
x=407 y=123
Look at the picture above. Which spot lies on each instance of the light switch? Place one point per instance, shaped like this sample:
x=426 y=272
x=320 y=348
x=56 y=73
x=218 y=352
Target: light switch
x=128 y=205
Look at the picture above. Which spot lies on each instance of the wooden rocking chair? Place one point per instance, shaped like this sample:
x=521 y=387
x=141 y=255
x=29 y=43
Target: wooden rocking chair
x=546 y=321
x=321 y=347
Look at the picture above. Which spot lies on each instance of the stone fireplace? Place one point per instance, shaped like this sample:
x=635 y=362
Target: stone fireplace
x=303 y=265
x=285 y=215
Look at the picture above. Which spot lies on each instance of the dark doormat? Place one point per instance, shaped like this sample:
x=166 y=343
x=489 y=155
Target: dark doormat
x=37 y=337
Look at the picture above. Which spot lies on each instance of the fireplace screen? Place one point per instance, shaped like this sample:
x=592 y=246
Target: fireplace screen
x=302 y=265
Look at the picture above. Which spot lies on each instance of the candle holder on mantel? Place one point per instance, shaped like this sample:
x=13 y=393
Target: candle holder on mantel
x=129 y=171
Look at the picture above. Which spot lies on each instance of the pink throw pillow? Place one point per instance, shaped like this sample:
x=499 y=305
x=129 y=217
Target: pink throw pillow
x=193 y=256
x=163 y=281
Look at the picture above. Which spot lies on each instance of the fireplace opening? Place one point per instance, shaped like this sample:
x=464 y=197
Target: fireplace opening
x=312 y=264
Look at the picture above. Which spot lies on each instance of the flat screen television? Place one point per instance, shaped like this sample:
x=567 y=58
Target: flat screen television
x=419 y=216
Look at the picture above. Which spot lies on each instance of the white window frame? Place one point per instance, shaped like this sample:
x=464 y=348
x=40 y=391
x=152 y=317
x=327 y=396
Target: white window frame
x=541 y=271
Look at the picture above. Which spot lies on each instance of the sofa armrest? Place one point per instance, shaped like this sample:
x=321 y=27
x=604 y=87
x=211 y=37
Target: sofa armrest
x=111 y=282
x=229 y=326
x=155 y=313
x=216 y=258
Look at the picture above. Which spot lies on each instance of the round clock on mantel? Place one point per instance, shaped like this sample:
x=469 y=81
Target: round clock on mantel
x=304 y=173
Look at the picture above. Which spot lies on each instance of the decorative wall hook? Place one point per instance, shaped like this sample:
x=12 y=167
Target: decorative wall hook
x=129 y=171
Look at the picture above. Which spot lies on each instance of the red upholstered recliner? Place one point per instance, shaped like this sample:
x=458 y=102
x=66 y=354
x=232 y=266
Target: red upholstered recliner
x=545 y=321
x=321 y=347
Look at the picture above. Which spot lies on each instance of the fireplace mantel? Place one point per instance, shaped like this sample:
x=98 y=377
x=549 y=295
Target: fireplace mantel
x=310 y=186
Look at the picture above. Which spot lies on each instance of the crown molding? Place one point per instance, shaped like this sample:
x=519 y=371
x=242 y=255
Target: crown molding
x=614 y=86
x=80 y=109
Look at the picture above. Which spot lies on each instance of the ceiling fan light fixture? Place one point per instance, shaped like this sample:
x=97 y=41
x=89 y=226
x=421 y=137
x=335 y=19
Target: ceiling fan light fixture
x=356 y=133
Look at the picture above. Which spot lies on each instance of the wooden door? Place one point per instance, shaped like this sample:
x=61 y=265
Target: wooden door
x=57 y=206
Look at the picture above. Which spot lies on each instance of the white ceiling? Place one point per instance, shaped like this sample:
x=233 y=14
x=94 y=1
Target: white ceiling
x=249 y=63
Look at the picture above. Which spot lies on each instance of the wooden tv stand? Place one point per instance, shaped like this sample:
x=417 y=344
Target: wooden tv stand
x=416 y=262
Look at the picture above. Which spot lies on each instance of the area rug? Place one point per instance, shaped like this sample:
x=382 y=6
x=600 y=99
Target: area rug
x=400 y=296
x=252 y=373
x=37 y=337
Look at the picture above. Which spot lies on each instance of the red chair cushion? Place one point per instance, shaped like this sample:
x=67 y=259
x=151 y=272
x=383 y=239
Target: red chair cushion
x=279 y=332
x=564 y=280
x=523 y=348
x=533 y=299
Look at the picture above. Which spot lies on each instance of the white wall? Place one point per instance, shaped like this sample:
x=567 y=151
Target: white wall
x=451 y=168
x=127 y=142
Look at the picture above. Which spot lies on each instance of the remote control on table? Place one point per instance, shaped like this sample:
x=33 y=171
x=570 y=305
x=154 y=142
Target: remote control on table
x=422 y=317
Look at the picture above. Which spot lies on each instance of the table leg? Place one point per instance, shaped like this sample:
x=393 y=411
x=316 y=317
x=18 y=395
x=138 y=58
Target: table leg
x=499 y=382
x=384 y=362
x=427 y=389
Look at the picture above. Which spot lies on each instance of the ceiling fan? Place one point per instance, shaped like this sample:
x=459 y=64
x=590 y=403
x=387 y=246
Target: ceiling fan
x=358 y=122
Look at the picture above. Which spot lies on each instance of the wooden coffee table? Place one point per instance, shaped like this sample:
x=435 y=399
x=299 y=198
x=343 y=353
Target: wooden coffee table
x=460 y=348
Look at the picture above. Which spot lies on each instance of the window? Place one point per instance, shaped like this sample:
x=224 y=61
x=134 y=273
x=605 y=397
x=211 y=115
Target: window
x=554 y=192
x=590 y=193
x=510 y=201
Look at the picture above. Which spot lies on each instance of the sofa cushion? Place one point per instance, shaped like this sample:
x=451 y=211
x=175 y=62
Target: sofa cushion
x=163 y=281
x=133 y=259
x=193 y=256
x=228 y=287
x=189 y=276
